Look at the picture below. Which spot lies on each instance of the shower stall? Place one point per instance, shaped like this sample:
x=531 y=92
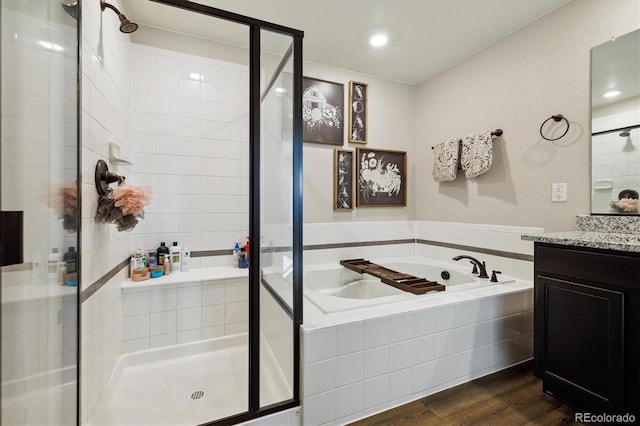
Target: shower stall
x=201 y=107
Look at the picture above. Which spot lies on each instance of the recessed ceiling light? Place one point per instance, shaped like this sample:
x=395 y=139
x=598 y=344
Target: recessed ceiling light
x=196 y=76
x=378 y=40
x=612 y=93
x=279 y=89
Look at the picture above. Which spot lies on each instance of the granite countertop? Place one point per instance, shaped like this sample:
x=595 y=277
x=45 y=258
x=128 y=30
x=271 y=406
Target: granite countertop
x=620 y=233
x=600 y=240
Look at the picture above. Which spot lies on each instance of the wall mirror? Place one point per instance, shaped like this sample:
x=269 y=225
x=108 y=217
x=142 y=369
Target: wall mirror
x=615 y=126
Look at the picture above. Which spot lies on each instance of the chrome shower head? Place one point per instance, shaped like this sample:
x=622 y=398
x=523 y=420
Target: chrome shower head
x=126 y=26
x=624 y=133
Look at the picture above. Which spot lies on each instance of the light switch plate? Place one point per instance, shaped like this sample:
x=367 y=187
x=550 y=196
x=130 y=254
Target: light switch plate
x=558 y=192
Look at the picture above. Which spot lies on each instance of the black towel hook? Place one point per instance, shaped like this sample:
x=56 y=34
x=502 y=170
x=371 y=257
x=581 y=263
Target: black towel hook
x=557 y=118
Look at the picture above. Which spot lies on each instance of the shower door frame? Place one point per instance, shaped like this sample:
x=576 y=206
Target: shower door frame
x=255 y=27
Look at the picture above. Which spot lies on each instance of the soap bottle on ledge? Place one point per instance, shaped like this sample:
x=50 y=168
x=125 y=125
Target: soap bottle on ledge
x=186 y=259
x=236 y=254
x=53 y=266
x=160 y=252
x=176 y=254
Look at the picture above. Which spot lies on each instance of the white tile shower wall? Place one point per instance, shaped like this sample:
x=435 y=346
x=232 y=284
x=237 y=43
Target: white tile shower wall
x=101 y=342
x=356 y=369
x=171 y=314
x=190 y=144
x=38 y=118
x=105 y=117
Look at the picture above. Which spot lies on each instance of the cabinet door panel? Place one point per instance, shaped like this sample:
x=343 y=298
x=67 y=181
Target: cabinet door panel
x=582 y=338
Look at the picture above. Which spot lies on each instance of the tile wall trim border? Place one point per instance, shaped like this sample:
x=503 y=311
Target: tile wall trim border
x=93 y=288
x=207 y=253
x=359 y=244
x=492 y=252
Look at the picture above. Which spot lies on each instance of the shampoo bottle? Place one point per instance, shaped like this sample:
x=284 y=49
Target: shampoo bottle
x=176 y=262
x=38 y=270
x=71 y=258
x=186 y=259
x=53 y=266
x=236 y=254
x=162 y=250
x=167 y=264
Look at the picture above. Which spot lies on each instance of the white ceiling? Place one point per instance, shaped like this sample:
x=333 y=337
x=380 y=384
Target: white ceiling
x=425 y=36
x=616 y=65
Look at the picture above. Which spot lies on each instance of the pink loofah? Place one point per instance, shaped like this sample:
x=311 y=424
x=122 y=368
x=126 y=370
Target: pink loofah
x=63 y=198
x=131 y=199
x=627 y=204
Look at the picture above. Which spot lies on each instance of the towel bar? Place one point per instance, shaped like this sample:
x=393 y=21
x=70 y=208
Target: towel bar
x=497 y=133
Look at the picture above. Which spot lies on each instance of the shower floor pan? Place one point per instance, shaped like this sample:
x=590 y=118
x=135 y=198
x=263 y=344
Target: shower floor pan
x=184 y=385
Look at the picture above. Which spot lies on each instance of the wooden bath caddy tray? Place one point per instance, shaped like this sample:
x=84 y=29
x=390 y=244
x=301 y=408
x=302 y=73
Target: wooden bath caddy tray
x=393 y=278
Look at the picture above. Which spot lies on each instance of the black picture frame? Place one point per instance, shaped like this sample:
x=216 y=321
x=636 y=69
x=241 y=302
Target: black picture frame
x=322 y=111
x=358 y=112
x=343 y=179
x=381 y=178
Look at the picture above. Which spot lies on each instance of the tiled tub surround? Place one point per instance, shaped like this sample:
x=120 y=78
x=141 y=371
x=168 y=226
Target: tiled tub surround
x=620 y=233
x=184 y=307
x=398 y=353
x=360 y=362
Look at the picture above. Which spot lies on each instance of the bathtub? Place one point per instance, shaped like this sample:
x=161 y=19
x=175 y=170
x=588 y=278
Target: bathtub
x=334 y=288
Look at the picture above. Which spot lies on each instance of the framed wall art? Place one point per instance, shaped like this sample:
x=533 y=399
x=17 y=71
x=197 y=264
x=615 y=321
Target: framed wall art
x=381 y=178
x=358 y=112
x=343 y=179
x=322 y=111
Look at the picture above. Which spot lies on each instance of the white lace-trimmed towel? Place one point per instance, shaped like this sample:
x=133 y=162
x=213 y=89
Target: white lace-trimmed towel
x=445 y=161
x=477 y=154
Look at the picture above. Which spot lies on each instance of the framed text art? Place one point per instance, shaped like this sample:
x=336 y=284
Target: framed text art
x=322 y=111
x=381 y=178
x=342 y=179
x=358 y=112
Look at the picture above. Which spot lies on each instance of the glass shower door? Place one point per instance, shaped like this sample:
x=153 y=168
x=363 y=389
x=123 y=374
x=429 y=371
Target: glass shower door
x=39 y=207
x=278 y=328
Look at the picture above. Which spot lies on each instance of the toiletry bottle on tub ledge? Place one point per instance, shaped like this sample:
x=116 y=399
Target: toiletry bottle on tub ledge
x=176 y=255
x=160 y=252
x=186 y=259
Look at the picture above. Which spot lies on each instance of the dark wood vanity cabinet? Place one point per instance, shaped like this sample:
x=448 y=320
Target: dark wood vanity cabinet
x=587 y=327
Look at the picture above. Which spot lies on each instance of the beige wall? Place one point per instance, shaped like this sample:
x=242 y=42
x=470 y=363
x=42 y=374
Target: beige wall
x=515 y=85
x=391 y=126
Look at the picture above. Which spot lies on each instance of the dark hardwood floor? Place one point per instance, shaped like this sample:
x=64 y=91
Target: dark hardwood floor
x=510 y=397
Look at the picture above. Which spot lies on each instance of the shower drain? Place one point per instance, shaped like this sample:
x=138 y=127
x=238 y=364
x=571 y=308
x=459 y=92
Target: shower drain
x=196 y=395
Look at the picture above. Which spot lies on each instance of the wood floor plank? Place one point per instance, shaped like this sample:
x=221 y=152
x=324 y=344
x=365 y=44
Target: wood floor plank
x=411 y=414
x=510 y=397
